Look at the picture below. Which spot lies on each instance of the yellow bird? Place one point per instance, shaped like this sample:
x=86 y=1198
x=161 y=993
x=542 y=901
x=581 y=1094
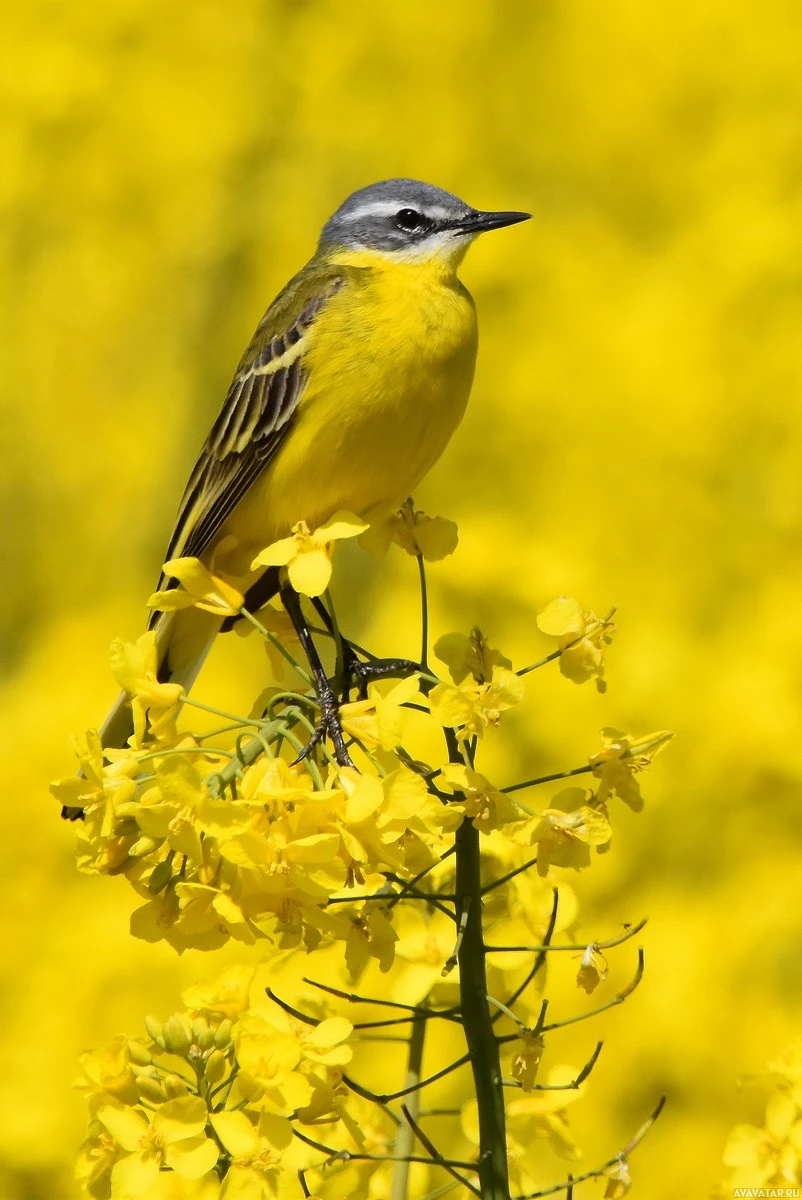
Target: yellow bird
x=348 y=393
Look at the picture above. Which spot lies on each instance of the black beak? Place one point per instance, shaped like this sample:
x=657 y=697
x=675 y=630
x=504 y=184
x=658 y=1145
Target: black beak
x=480 y=222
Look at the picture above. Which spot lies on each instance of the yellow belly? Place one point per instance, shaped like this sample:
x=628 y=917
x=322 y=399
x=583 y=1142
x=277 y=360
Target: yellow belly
x=389 y=366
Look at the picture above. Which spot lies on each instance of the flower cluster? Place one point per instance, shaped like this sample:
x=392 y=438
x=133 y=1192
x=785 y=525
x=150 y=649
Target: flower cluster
x=770 y=1156
x=244 y=834
x=213 y=1094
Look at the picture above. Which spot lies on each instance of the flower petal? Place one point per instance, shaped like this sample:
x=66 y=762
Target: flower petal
x=125 y=1125
x=182 y=1118
x=236 y=1132
x=192 y=1158
x=310 y=572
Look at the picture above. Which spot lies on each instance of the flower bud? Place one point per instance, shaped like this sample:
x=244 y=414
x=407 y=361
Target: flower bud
x=175 y=1087
x=139 y=1054
x=222 y=1034
x=151 y=1089
x=156 y=1031
x=141 y=847
x=206 y=1039
x=216 y=1066
x=160 y=876
x=177 y=1034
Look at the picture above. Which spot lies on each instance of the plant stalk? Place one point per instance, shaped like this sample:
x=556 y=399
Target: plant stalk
x=482 y=1045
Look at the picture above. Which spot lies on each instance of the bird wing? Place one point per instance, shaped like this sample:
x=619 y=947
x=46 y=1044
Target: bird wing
x=253 y=422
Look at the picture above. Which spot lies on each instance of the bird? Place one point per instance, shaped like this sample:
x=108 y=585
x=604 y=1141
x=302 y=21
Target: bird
x=349 y=391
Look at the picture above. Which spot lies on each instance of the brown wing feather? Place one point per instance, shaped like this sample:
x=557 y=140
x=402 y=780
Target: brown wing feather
x=253 y=421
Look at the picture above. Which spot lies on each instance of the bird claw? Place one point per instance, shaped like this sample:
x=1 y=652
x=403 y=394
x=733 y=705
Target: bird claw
x=329 y=725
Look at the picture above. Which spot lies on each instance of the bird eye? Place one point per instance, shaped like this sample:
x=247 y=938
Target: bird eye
x=409 y=220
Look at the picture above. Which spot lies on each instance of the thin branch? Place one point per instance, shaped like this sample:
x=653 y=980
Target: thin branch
x=563 y=1087
x=385 y=1099
x=541 y=957
x=598 y=1171
x=628 y=933
x=437 y=1157
x=527 y=783
x=603 y=624
x=429 y=1016
x=347 y=1156
x=462 y=924
x=489 y=887
x=405 y=885
x=619 y=998
x=355 y=998
x=288 y=1008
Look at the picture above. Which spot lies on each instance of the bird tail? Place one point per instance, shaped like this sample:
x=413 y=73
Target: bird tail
x=183 y=639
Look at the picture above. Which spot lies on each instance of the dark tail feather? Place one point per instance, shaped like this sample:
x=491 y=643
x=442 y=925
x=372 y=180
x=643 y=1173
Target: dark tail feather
x=257 y=596
x=184 y=640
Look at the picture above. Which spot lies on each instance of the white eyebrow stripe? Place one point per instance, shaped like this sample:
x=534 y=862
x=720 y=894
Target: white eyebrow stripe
x=387 y=208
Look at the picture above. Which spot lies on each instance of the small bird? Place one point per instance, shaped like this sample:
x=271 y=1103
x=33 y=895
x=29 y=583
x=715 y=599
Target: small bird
x=356 y=378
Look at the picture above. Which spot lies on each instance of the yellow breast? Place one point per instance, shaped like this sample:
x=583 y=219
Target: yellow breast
x=389 y=365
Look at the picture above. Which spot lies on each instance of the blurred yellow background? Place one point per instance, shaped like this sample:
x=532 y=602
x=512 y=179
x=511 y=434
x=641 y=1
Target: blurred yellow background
x=634 y=438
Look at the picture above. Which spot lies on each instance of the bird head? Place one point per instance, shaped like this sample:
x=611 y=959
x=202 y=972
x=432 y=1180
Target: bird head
x=404 y=220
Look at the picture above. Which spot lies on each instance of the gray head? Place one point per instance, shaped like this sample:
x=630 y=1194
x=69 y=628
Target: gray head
x=412 y=219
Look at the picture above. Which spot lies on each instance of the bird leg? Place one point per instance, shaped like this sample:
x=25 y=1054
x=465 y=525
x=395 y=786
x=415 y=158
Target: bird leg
x=329 y=722
x=357 y=673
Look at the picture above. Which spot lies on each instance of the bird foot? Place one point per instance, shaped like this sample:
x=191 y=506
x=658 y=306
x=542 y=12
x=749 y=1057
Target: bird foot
x=360 y=674
x=329 y=725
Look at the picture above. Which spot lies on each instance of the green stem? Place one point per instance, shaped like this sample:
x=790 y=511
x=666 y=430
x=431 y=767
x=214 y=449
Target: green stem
x=424 y=614
x=405 y=1137
x=481 y=1041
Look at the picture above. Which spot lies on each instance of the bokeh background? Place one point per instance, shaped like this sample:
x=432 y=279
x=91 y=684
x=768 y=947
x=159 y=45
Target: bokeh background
x=634 y=438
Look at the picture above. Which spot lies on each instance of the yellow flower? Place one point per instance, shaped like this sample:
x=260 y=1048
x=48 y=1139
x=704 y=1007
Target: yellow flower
x=582 y=638
x=474 y=706
x=108 y=1071
x=565 y=832
x=307 y=556
x=98 y=789
x=256 y=1150
x=200 y=588
x=325 y=1043
x=426 y=943
x=134 y=666
x=470 y=655
x=378 y=720
x=431 y=538
x=530 y=1117
x=621 y=759
x=370 y=935
x=488 y=807
x=228 y=993
x=173 y=1138
x=271 y=1057
x=592 y=970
